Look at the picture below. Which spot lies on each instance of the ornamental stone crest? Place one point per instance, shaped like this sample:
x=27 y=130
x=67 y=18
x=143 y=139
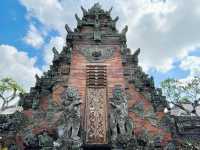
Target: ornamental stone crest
x=96 y=53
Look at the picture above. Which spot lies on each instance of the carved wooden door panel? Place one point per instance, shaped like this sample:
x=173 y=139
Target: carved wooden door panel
x=96 y=105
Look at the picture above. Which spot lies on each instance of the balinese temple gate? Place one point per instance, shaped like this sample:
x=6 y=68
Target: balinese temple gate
x=94 y=96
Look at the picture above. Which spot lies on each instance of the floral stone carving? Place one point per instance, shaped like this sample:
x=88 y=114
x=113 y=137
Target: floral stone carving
x=97 y=53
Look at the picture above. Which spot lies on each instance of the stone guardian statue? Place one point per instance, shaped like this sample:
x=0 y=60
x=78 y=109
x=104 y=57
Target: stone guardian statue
x=71 y=110
x=119 y=112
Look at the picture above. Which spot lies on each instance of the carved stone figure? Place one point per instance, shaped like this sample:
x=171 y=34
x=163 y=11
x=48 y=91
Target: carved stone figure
x=12 y=147
x=45 y=141
x=119 y=120
x=71 y=108
x=170 y=146
x=30 y=141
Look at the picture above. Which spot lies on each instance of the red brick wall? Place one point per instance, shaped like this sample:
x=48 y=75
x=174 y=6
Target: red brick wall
x=115 y=76
x=77 y=76
x=140 y=123
x=78 y=71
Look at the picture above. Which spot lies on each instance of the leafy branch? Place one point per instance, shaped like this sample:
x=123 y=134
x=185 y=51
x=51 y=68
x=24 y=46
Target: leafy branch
x=180 y=92
x=9 y=91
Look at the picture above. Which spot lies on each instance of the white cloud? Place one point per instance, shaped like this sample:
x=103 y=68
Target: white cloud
x=165 y=32
x=162 y=31
x=191 y=64
x=48 y=12
x=17 y=65
x=34 y=37
x=54 y=14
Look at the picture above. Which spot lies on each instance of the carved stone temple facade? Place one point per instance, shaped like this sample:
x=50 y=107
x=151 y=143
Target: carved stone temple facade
x=94 y=96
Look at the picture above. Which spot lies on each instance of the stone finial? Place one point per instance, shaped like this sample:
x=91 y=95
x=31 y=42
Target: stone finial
x=97 y=6
x=56 y=53
x=135 y=56
x=77 y=18
x=68 y=29
x=124 y=30
x=116 y=19
x=79 y=21
x=109 y=11
x=37 y=77
x=136 y=53
x=84 y=11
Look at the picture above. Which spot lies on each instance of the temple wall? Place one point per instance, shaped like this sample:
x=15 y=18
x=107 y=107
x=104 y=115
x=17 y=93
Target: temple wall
x=142 y=123
x=115 y=76
x=77 y=77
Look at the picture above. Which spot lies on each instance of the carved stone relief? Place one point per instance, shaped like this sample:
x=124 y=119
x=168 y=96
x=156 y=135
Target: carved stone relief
x=96 y=53
x=96 y=105
x=71 y=108
x=68 y=132
x=96 y=116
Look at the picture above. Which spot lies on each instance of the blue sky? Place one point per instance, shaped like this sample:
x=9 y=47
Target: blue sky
x=169 y=42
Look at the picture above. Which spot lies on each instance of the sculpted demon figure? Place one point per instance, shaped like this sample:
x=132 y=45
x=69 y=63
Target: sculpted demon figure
x=119 y=121
x=71 y=108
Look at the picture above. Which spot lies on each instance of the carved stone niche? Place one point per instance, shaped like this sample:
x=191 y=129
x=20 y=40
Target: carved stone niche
x=41 y=141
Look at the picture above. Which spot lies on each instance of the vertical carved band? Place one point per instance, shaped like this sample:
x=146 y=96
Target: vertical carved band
x=96 y=105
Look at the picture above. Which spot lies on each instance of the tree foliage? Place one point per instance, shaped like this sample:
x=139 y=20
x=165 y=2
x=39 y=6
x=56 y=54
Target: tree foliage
x=181 y=92
x=9 y=91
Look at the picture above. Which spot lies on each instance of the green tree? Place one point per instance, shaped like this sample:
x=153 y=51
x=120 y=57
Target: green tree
x=9 y=92
x=180 y=92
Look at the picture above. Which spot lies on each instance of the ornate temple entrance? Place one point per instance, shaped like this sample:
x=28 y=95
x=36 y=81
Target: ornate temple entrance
x=95 y=96
x=96 y=105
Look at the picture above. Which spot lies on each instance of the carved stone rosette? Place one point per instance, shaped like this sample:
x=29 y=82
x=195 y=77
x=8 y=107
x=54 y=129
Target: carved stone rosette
x=96 y=53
